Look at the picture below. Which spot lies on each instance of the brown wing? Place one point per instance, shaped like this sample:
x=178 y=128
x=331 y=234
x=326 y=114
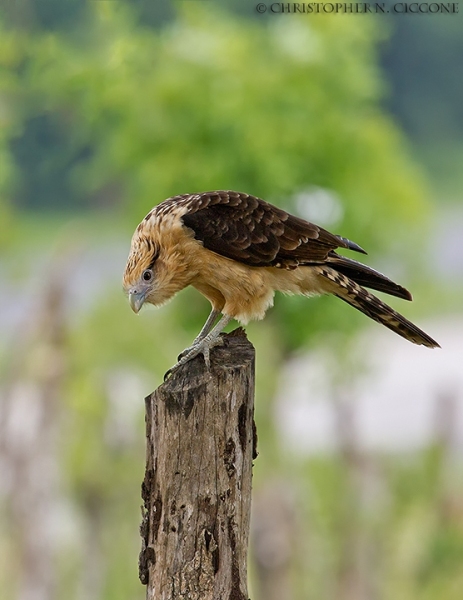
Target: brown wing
x=251 y=231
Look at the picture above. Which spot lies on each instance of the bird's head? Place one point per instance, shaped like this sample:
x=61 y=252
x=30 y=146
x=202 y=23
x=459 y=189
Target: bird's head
x=155 y=270
x=140 y=280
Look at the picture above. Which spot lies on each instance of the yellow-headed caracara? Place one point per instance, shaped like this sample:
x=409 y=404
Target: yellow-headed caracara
x=237 y=250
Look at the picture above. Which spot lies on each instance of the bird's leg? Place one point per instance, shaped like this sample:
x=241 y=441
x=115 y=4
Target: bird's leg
x=202 y=345
x=204 y=331
x=211 y=319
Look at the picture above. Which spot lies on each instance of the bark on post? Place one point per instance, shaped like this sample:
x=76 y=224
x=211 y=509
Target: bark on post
x=201 y=442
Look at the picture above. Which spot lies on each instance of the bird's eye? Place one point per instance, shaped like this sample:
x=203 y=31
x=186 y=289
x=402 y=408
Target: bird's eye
x=147 y=275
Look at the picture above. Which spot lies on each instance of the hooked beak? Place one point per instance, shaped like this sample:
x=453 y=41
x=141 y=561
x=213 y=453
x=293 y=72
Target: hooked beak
x=136 y=300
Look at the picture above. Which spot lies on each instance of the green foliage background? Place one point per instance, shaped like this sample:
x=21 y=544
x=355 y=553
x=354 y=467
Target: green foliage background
x=102 y=116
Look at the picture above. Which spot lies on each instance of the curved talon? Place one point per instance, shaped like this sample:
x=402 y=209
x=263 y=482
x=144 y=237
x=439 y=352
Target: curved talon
x=171 y=371
x=184 y=353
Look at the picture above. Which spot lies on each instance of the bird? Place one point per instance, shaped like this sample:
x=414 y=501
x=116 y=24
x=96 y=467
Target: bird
x=238 y=250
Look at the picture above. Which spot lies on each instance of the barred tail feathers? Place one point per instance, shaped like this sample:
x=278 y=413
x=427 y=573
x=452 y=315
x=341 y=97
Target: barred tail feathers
x=351 y=292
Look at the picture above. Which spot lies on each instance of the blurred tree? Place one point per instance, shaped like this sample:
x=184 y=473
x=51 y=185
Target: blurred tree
x=44 y=15
x=46 y=153
x=422 y=59
x=426 y=97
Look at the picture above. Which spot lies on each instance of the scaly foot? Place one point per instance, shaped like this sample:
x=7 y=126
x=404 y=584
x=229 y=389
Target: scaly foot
x=203 y=347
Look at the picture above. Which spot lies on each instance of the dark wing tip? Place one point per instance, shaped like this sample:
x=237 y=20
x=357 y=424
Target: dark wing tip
x=345 y=243
x=406 y=295
x=429 y=342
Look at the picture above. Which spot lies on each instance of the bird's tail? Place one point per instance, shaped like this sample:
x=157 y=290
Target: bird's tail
x=366 y=276
x=357 y=296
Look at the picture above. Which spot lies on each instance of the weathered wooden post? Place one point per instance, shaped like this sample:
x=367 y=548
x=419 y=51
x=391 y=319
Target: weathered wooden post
x=201 y=442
